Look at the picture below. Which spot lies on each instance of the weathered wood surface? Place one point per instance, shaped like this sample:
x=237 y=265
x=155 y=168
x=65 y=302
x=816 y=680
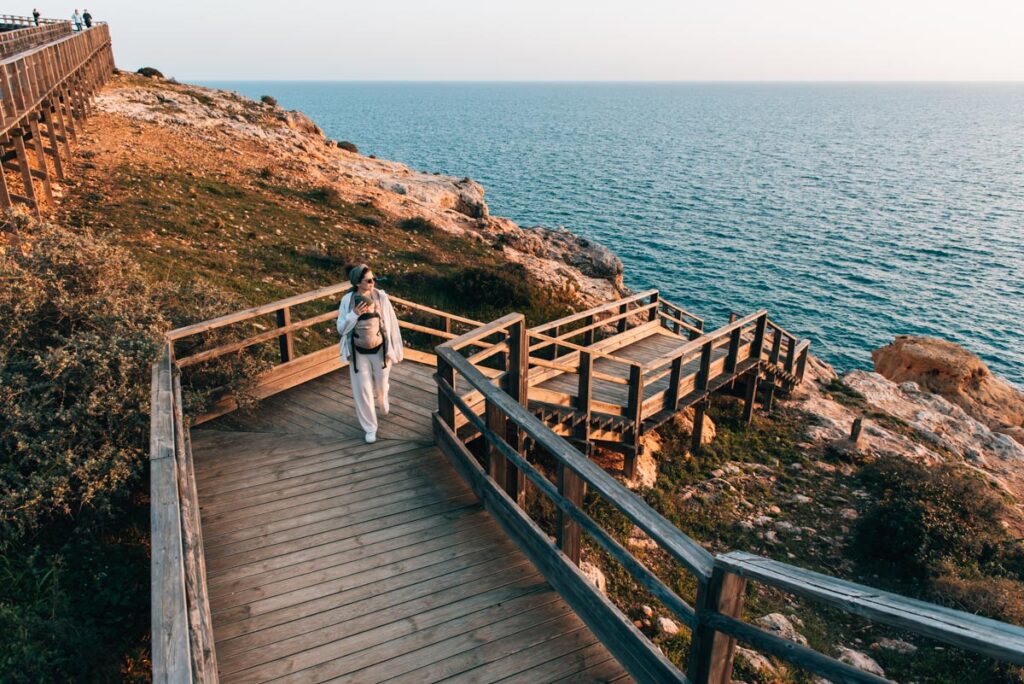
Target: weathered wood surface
x=331 y=559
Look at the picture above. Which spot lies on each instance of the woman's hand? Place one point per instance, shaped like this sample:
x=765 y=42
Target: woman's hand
x=363 y=309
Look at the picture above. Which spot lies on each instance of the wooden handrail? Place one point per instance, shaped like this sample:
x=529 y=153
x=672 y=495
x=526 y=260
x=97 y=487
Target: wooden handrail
x=255 y=311
x=679 y=546
x=572 y=318
x=694 y=346
x=580 y=348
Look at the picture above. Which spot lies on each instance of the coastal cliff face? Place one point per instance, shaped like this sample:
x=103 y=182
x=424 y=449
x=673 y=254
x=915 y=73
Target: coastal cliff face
x=159 y=123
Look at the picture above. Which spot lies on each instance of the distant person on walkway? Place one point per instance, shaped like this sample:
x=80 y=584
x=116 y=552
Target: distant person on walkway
x=35 y=16
x=370 y=341
x=77 y=19
x=87 y=18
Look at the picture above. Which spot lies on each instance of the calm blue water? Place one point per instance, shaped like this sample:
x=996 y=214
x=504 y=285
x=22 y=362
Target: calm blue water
x=851 y=212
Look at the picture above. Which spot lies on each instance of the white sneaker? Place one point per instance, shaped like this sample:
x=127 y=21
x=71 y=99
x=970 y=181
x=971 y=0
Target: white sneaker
x=371 y=437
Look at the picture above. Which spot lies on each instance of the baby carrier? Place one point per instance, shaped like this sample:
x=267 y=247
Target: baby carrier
x=369 y=335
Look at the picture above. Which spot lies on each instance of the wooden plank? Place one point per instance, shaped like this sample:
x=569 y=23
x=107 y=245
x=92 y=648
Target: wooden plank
x=418 y=608
x=423 y=580
x=372 y=655
x=319 y=564
x=172 y=660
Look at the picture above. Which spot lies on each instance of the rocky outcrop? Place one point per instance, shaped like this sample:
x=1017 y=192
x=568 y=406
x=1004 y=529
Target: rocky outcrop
x=947 y=369
x=907 y=421
x=227 y=121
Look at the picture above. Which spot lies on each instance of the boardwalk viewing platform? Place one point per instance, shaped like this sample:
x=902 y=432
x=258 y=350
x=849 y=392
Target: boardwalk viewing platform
x=287 y=549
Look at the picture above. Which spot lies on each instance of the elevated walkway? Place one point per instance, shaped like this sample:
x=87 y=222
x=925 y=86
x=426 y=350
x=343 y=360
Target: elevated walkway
x=331 y=559
x=286 y=549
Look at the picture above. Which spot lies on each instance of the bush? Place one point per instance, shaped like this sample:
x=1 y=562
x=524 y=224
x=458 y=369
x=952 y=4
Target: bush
x=149 y=72
x=82 y=326
x=999 y=598
x=346 y=145
x=81 y=329
x=235 y=374
x=925 y=517
x=418 y=224
x=269 y=100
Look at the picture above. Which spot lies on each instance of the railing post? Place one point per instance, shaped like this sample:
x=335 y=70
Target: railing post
x=757 y=346
x=287 y=340
x=672 y=395
x=790 y=355
x=567 y=534
x=734 y=351
x=496 y=462
x=518 y=388
x=445 y=406
x=711 y=653
x=583 y=391
x=621 y=323
x=588 y=336
x=801 y=365
x=652 y=315
x=634 y=413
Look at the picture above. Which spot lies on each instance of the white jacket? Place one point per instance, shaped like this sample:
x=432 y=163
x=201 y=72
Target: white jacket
x=347 y=318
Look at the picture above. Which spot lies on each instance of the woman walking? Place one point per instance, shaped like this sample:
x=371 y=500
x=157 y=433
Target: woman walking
x=371 y=342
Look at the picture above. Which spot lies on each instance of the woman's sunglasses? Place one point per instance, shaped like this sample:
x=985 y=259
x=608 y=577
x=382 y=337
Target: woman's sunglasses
x=369 y=280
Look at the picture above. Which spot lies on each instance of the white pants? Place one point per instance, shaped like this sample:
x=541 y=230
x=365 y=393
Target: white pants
x=371 y=382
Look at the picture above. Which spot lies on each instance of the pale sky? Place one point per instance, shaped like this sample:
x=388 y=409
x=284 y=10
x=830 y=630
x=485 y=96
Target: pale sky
x=645 y=40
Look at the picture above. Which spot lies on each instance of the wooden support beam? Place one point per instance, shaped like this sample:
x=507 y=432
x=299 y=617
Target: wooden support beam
x=37 y=143
x=634 y=413
x=583 y=393
x=5 y=196
x=516 y=384
x=751 y=395
x=58 y=165
x=17 y=135
x=699 y=409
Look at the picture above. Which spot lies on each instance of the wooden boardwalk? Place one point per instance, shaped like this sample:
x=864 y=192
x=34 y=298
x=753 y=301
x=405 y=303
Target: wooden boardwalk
x=328 y=559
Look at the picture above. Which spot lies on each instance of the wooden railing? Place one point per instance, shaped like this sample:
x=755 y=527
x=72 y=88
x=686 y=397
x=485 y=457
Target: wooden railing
x=182 y=630
x=52 y=85
x=291 y=367
x=12 y=42
x=499 y=481
x=18 y=20
x=495 y=464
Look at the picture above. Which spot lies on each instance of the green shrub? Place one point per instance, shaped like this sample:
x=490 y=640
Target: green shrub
x=269 y=100
x=81 y=329
x=999 y=598
x=925 y=516
x=149 y=72
x=418 y=224
x=184 y=303
x=346 y=145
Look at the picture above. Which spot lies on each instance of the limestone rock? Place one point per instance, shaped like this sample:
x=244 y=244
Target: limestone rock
x=859 y=660
x=667 y=627
x=779 y=625
x=594 y=576
x=756 y=662
x=897 y=645
x=684 y=422
x=297 y=121
x=956 y=374
x=940 y=422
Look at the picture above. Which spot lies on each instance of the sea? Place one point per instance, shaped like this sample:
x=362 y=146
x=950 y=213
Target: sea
x=852 y=212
